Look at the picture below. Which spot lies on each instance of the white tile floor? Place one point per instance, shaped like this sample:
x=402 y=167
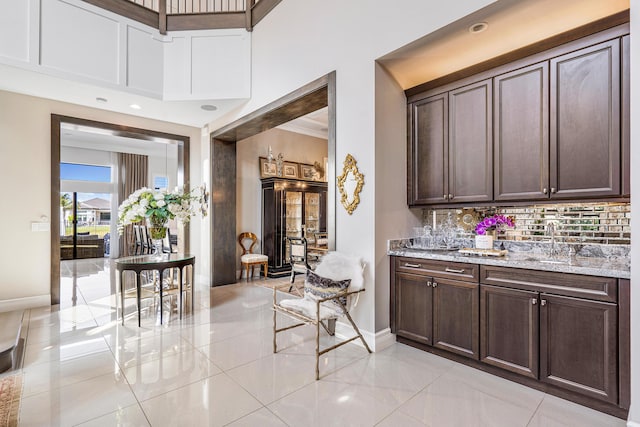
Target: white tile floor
x=216 y=367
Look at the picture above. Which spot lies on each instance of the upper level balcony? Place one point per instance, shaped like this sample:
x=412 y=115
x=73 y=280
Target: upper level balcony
x=178 y=15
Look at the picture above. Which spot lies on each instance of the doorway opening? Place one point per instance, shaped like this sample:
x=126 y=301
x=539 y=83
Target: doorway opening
x=314 y=96
x=87 y=143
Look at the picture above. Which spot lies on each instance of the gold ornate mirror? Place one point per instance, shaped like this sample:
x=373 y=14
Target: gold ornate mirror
x=350 y=184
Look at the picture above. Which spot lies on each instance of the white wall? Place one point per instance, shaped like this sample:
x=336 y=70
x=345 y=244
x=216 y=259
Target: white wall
x=290 y=50
x=25 y=127
x=393 y=219
x=295 y=148
x=61 y=38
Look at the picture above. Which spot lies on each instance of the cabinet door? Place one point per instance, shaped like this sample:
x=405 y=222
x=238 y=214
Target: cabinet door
x=585 y=122
x=509 y=329
x=470 y=143
x=521 y=134
x=578 y=345
x=626 y=117
x=455 y=317
x=413 y=307
x=428 y=138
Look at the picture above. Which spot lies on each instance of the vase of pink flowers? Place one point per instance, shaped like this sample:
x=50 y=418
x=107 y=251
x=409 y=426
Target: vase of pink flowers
x=486 y=229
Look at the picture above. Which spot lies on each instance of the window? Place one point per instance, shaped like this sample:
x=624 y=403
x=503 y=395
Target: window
x=160 y=182
x=79 y=172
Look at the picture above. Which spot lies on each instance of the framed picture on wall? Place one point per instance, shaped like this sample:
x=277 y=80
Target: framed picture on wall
x=267 y=169
x=290 y=170
x=308 y=172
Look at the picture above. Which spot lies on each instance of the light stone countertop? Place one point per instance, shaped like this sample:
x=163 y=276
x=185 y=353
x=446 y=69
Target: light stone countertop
x=618 y=267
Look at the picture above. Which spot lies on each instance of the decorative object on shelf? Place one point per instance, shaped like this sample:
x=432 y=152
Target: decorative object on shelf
x=267 y=168
x=350 y=184
x=319 y=171
x=279 y=164
x=159 y=206
x=289 y=170
x=467 y=218
x=308 y=172
x=486 y=229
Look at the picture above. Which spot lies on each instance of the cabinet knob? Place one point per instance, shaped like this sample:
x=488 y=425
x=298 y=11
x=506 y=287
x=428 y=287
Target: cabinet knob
x=444 y=196
x=553 y=190
x=428 y=283
x=543 y=302
x=435 y=284
x=534 y=301
x=544 y=190
x=450 y=196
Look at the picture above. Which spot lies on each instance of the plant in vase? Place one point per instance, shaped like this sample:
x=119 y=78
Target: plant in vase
x=486 y=229
x=160 y=206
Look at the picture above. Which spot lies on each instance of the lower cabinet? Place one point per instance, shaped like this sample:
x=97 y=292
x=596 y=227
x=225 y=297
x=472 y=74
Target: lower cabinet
x=439 y=312
x=567 y=331
x=509 y=329
x=578 y=345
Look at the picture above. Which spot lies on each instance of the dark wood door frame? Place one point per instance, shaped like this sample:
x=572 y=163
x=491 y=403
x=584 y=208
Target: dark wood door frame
x=117 y=130
x=313 y=96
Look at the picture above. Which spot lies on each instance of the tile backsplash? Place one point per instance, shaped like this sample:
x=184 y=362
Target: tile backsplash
x=584 y=223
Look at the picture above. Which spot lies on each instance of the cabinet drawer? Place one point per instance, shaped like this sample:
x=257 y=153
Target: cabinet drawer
x=444 y=269
x=572 y=285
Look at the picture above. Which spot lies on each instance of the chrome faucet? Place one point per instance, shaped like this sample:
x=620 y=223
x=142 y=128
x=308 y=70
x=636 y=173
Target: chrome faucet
x=551 y=231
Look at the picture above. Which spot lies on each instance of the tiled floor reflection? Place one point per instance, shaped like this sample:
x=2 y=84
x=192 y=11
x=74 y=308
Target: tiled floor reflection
x=215 y=367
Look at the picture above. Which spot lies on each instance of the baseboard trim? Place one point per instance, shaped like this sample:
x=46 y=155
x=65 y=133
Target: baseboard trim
x=376 y=342
x=25 y=303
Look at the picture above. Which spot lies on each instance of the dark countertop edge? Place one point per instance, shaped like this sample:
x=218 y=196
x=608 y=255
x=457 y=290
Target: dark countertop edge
x=514 y=263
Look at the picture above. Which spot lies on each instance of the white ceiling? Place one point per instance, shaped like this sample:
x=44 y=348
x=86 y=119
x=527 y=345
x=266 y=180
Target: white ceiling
x=188 y=113
x=315 y=124
x=512 y=24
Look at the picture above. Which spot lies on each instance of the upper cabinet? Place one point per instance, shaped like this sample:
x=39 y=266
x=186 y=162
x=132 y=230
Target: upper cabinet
x=470 y=162
x=550 y=127
x=450 y=147
x=521 y=125
x=585 y=122
x=428 y=147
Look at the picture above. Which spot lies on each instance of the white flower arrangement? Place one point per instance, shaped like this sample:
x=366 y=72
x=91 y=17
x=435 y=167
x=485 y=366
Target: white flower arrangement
x=160 y=206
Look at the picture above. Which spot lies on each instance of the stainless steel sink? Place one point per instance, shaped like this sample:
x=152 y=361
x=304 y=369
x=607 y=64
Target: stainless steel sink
x=553 y=261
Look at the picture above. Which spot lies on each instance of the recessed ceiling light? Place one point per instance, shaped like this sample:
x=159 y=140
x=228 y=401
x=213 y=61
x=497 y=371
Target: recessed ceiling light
x=135 y=106
x=209 y=107
x=478 y=27
x=100 y=99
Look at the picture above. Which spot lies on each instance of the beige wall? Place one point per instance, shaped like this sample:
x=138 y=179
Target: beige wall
x=295 y=147
x=25 y=156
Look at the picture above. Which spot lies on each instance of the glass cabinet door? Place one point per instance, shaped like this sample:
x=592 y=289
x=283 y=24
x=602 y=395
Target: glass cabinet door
x=312 y=214
x=293 y=218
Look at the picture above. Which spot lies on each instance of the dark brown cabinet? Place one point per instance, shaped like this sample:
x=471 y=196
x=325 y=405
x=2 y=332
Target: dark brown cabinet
x=437 y=311
x=521 y=130
x=565 y=334
x=450 y=147
x=626 y=117
x=585 y=122
x=539 y=319
x=578 y=345
x=553 y=129
x=428 y=145
x=414 y=302
x=290 y=208
x=509 y=329
x=470 y=144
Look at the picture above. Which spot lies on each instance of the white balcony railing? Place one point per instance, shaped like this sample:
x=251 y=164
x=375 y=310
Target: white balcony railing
x=195 y=6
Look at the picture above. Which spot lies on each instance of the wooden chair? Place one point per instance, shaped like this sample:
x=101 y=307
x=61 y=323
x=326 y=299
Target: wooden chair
x=334 y=303
x=297 y=257
x=250 y=259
